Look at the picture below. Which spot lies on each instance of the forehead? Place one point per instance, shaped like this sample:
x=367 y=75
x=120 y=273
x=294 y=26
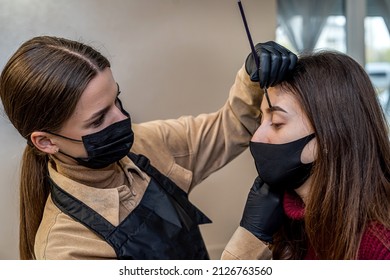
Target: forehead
x=98 y=93
x=282 y=98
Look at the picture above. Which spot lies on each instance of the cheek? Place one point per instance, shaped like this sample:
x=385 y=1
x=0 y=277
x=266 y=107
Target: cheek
x=73 y=149
x=261 y=135
x=309 y=152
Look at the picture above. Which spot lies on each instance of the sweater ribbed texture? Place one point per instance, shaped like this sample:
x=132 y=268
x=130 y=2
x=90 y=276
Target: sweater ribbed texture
x=375 y=243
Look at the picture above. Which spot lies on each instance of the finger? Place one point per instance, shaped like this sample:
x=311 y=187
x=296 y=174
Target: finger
x=287 y=64
x=284 y=68
x=265 y=68
x=284 y=62
x=257 y=184
x=251 y=68
x=276 y=63
x=293 y=61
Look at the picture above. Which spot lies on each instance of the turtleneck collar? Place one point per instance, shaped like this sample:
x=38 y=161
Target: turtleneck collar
x=109 y=177
x=293 y=206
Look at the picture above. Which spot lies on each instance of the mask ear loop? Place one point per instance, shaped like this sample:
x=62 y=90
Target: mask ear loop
x=118 y=103
x=253 y=49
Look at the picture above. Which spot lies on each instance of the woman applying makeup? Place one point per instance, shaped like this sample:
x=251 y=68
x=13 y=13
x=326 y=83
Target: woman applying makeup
x=95 y=185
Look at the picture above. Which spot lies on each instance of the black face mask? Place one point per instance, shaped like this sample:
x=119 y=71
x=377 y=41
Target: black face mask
x=108 y=145
x=279 y=165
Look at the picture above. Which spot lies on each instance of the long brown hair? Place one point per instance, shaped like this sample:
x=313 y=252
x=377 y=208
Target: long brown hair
x=350 y=181
x=39 y=88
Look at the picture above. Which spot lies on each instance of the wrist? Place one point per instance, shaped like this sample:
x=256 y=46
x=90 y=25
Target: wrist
x=265 y=238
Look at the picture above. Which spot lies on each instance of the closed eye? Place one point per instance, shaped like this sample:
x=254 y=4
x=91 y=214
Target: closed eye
x=99 y=121
x=276 y=125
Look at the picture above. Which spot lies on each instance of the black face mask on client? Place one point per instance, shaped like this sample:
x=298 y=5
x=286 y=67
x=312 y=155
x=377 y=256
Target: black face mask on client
x=279 y=165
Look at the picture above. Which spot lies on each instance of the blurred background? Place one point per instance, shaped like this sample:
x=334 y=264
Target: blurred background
x=180 y=57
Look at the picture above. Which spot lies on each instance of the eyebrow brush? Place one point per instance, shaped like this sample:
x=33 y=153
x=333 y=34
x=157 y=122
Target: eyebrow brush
x=256 y=57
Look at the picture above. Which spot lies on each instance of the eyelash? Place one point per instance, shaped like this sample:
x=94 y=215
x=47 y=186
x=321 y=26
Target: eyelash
x=99 y=121
x=276 y=125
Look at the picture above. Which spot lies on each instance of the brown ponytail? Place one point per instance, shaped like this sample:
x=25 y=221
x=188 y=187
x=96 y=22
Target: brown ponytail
x=34 y=191
x=39 y=87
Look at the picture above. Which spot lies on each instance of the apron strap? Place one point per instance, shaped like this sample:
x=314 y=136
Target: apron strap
x=180 y=196
x=79 y=210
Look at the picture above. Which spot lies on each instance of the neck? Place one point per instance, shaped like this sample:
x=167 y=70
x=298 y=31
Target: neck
x=303 y=191
x=62 y=157
x=108 y=177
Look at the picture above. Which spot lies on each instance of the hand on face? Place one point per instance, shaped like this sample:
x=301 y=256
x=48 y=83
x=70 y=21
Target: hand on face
x=263 y=213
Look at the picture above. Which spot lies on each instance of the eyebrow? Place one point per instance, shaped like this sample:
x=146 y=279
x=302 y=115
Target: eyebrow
x=274 y=109
x=96 y=115
x=99 y=113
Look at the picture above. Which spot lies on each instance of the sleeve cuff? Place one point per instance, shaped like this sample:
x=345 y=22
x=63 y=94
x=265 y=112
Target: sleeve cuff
x=243 y=245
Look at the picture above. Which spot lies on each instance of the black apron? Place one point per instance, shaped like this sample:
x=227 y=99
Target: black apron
x=165 y=225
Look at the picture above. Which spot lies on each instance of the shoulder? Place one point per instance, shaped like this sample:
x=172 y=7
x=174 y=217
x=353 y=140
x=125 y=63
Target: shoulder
x=59 y=237
x=375 y=243
x=164 y=156
x=150 y=141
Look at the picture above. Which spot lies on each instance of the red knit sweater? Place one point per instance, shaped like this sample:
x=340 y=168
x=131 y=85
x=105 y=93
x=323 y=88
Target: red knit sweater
x=375 y=243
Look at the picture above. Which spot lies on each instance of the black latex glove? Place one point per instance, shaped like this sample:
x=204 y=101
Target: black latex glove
x=263 y=213
x=275 y=62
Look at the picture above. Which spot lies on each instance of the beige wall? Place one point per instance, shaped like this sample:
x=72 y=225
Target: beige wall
x=171 y=57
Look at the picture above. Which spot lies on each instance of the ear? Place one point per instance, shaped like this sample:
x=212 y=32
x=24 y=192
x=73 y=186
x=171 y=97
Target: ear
x=43 y=142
